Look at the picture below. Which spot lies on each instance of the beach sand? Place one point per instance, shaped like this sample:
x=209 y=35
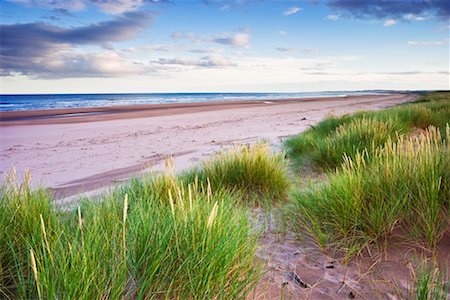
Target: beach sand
x=298 y=269
x=73 y=151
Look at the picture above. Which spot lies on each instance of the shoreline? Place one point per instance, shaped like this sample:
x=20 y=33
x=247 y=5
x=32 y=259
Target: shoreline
x=106 y=113
x=78 y=154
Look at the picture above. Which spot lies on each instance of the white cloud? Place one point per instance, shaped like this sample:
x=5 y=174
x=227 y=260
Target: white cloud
x=426 y=43
x=118 y=7
x=389 y=22
x=252 y=73
x=311 y=51
x=332 y=17
x=112 y=7
x=179 y=35
x=239 y=38
x=413 y=17
x=285 y=49
x=292 y=10
x=282 y=32
x=210 y=61
x=100 y=64
x=154 y=48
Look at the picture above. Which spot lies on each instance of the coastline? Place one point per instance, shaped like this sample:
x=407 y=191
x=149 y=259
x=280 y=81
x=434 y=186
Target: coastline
x=76 y=154
x=106 y=113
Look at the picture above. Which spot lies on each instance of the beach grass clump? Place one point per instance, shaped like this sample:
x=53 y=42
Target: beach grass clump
x=22 y=213
x=326 y=143
x=199 y=246
x=194 y=243
x=405 y=183
x=87 y=259
x=352 y=137
x=155 y=187
x=257 y=172
x=254 y=174
x=430 y=283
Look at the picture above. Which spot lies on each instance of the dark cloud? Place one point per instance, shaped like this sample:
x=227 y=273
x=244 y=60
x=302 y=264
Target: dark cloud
x=382 y=9
x=34 y=48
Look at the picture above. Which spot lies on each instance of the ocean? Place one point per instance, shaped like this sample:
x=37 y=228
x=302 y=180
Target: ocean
x=56 y=101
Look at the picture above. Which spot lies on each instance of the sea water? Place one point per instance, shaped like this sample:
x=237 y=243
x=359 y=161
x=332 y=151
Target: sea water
x=57 y=101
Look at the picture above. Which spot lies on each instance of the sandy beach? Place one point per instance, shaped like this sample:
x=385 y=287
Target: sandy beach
x=73 y=151
x=77 y=151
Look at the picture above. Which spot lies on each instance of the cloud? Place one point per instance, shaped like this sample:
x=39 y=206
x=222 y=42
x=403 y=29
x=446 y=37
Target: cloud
x=413 y=73
x=394 y=73
x=60 y=4
x=207 y=50
x=389 y=22
x=38 y=48
x=154 y=48
x=311 y=51
x=285 y=49
x=282 y=32
x=210 y=61
x=179 y=35
x=118 y=6
x=386 y=9
x=322 y=73
x=426 y=43
x=332 y=17
x=413 y=17
x=318 y=66
x=291 y=10
x=240 y=38
x=108 y=6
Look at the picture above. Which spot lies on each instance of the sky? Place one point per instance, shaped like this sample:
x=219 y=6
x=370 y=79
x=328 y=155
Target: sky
x=137 y=46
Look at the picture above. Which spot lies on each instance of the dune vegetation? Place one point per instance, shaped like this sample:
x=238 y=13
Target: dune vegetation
x=403 y=184
x=430 y=283
x=393 y=172
x=162 y=236
x=326 y=144
x=188 y=235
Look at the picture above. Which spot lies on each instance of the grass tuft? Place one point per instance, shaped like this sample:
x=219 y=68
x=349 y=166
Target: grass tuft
x=430 y=284
x=23 y=212
x=259 y=174
x=405 y=183
x=326 y=143
x=198 y=247
x=155 y=238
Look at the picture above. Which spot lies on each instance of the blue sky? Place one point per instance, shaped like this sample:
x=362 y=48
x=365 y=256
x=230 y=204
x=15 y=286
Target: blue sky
x=95 y=46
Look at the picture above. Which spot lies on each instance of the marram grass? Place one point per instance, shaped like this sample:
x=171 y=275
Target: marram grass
x=326 y=143
x=404 y=184
x=257 y=172
x=159 y=238
x=430 y=284
x=23 y=212
x=198 y=246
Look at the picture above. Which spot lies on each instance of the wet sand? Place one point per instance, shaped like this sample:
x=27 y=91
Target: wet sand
x=79 y=150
